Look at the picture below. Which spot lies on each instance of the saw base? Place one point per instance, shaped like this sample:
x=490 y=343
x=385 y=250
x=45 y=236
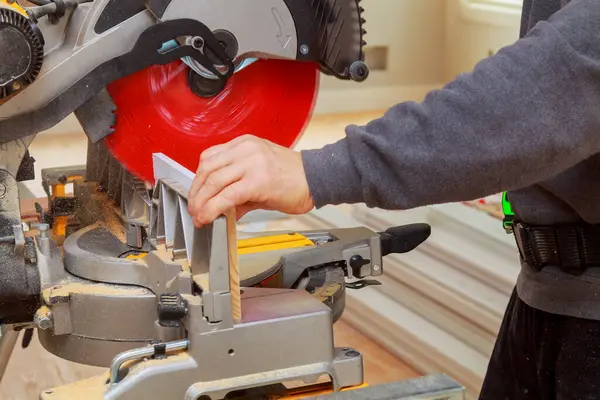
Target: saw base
x=285 y=336
x=136 y=288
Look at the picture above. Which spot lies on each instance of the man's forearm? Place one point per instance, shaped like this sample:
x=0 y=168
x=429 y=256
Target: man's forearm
x=524 y=115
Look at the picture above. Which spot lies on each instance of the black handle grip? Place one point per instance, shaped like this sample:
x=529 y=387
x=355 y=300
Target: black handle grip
x=402 y=239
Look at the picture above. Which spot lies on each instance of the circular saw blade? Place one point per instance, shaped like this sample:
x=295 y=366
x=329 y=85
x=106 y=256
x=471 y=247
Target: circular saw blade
x=157 y=112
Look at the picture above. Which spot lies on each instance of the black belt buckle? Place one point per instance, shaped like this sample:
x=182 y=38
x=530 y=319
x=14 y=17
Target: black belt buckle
x=523 y=240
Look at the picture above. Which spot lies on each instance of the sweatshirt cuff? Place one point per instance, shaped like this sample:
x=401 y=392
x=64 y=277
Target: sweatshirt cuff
x=331 y=175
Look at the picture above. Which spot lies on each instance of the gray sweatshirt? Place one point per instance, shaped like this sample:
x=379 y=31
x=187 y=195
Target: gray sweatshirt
x=526 y=120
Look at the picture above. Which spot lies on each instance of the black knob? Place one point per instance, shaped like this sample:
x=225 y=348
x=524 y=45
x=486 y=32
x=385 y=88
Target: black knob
x=356 y=263
x=171 y=309
x=359 y=71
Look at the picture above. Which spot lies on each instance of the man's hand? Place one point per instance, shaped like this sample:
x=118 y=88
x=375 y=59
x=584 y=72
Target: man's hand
x=248 y=173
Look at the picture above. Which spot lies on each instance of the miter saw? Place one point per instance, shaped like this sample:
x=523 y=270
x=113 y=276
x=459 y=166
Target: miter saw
x=115 y=274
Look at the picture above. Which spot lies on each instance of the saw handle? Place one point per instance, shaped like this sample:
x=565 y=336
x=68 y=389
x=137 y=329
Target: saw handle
x=402 y=239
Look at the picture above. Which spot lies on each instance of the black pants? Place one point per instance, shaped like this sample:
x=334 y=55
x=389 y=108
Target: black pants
x=543 y=356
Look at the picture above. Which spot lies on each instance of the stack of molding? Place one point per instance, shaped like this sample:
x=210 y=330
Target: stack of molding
x=440 y=306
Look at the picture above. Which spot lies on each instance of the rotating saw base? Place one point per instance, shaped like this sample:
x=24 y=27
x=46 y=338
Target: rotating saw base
x=94 y=253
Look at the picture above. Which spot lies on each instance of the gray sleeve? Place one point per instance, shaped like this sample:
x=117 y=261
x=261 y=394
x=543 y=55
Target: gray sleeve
x=521 y=116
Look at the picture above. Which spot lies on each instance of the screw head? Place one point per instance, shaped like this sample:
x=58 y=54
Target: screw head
x=43 y=228
x=42 y=320
x=352 y=354
x=304 y=49
x=198 y=43
x=376 y=267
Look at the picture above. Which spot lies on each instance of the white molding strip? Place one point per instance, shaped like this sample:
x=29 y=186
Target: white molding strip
x=492 y=12
x=466 y=239
x=414 y=339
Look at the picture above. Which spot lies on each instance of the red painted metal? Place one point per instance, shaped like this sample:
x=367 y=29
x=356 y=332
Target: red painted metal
x=158 y=113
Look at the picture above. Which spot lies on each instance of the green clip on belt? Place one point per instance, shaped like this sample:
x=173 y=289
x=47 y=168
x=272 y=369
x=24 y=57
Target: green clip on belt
x=509 y=216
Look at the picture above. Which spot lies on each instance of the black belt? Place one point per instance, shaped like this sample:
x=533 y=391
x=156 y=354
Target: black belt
x=572 y=248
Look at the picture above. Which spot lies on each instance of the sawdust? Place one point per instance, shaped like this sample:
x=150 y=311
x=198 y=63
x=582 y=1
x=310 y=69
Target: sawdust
x=92 y=288
x=89 y=389
x=111 y=220
x=44 y=311
x=167 y=255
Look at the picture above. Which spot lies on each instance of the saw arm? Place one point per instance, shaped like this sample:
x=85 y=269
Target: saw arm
x=75 y=48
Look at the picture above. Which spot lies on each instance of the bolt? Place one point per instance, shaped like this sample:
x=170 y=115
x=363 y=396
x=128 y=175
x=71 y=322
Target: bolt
x=376 y=267
x=198 y=43
x=352 y=354
x=304 y=49
x=42 y=320
x=3 y=190
x=43 y=228
x=16 y=86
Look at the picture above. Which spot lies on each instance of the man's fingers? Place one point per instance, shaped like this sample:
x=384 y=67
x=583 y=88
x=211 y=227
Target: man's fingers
x=228 y=198
x=207 y=167
x=216 y=157
x=208 y=153
x=215 y=183
x=212 y=151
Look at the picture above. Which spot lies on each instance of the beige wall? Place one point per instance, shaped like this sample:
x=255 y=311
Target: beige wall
x=413 y=31
x=474 y=28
